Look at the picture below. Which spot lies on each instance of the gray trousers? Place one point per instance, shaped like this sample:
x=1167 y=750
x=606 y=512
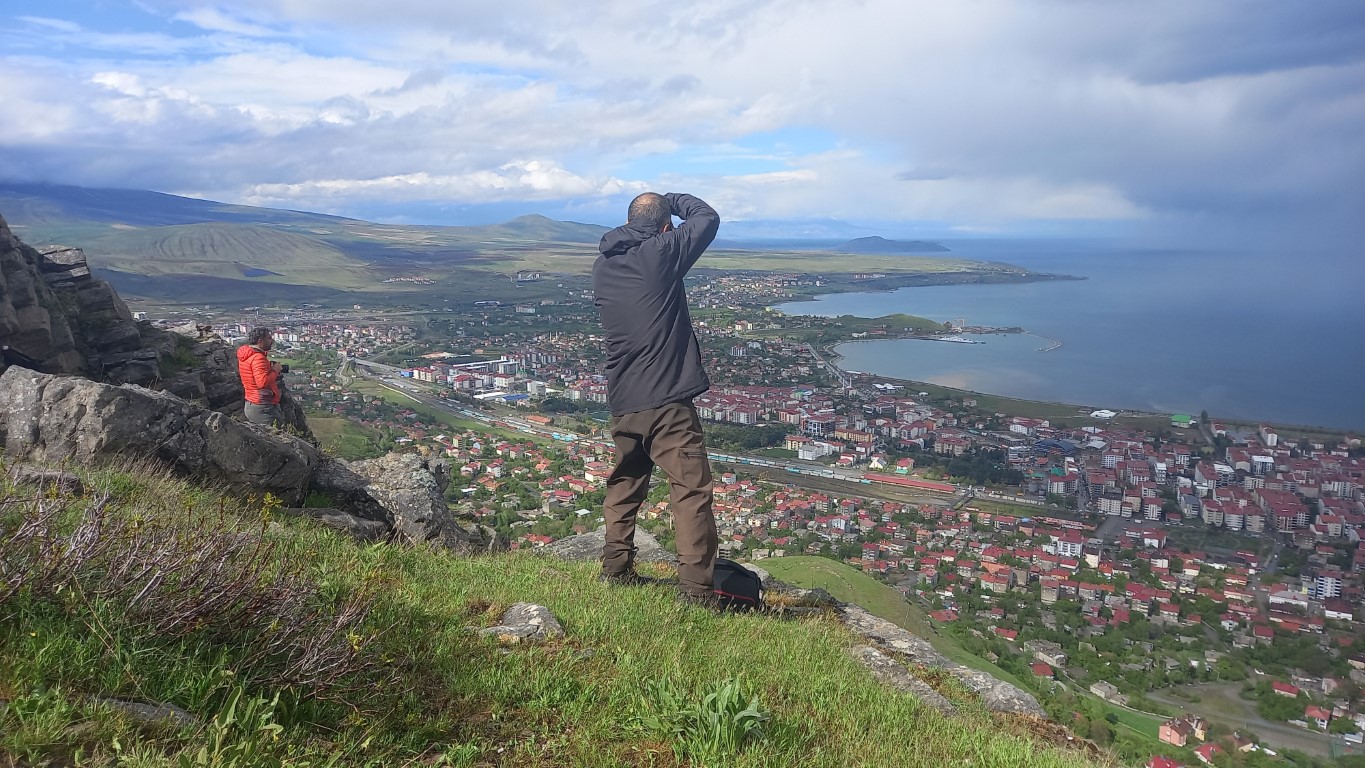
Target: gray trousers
x=671 y=438
x=268 y=414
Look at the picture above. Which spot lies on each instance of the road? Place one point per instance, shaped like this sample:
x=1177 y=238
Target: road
x=843 y=378
x=783 y=471
x=1221 y=704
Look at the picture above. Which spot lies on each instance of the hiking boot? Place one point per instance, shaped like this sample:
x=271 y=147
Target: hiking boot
x=708 y=600
x=629 y=578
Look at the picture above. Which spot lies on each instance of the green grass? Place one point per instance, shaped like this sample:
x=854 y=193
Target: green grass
x=776 y=453
x=342 y=437
x=1144 y=724
x=853 y=586
x=427 y=691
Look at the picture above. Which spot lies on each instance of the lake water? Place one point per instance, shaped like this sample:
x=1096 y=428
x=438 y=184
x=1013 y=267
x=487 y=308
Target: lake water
x=1276 y=338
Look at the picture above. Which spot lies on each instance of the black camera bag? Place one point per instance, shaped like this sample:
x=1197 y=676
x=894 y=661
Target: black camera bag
x=737 y=587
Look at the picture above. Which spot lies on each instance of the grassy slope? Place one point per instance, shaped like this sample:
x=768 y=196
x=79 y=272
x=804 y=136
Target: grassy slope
x=451 y=698
x=853 y=586
x=217 y=249
x=342 y=437
x=850 y=585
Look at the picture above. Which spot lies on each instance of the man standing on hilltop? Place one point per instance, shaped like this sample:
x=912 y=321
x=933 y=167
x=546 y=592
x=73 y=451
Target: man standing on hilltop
x=653 y=371
x=260 y=378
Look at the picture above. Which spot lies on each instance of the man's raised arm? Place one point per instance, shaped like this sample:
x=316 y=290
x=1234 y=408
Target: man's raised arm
x=699 y=227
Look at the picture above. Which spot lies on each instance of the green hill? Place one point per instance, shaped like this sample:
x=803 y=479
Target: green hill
x=538 y=228
x=285 y=644
x=233 y=251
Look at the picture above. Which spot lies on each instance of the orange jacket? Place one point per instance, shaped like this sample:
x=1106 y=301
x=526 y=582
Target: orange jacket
x=260 y=382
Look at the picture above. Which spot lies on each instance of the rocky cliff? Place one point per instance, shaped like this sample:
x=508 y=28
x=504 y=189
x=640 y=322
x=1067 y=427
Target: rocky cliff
x=82 y=381
x=53 y=312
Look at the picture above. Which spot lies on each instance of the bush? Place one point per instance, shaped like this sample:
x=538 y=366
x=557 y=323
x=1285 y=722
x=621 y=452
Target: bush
x=172 y=572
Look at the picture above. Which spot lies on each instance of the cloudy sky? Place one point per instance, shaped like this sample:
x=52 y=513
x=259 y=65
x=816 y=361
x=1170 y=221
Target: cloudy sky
x=974 y=116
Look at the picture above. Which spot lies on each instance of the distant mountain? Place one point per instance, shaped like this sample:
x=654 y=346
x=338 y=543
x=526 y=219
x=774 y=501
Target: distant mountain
x=537 y=227
x=37 y=204
x=876 y=244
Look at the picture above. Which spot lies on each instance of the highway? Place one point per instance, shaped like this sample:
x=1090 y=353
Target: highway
x=807 y=475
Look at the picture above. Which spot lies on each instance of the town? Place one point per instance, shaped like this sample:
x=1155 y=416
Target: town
x=1169 y=586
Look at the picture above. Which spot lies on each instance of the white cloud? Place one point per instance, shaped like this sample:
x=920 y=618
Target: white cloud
x=970 y=113
x=215 y=20
x=518 y=180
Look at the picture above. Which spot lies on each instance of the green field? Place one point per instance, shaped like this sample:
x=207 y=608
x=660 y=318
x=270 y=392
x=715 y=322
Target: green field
x=853 y=586
x=1146 y=725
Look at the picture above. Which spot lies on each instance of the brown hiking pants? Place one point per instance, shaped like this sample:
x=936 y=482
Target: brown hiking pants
x=669 y=436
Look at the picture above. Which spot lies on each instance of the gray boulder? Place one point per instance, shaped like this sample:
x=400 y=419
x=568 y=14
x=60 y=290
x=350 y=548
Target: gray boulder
x=524 y=622
x=65 y=482
x=150 y=713
x=586 y=547
x=406 y=485
x=50 y=419
x=356 y=527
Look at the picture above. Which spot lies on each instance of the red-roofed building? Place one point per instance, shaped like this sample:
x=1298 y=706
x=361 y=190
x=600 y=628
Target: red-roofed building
x=1179 y=730
x=1160 y=761
x=1285 y=689
x=1041 y=670
x=1318 y=715
x=1206 y=753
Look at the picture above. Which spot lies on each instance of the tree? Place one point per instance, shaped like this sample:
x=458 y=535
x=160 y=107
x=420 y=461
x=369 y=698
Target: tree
x=1100 y=732
x=1342 y=726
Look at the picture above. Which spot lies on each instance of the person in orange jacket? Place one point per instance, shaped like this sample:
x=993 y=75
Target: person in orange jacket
x=260 y=378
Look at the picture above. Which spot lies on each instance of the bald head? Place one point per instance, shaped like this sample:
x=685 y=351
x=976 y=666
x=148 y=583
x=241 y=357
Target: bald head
x=649 y=211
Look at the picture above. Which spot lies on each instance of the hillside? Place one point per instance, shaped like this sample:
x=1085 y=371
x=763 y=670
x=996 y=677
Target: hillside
x=850 y=585
x=171 y=249
x=203 y=250
x=374 y=665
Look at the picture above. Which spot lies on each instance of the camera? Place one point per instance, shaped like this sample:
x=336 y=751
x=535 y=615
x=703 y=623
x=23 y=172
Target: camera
x=284 y=367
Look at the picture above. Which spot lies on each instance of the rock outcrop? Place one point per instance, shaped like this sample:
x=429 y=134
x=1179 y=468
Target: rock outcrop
x=50 y=419
x=53 y=312
x=588 y=546
x=996 y=695
x=210 y=376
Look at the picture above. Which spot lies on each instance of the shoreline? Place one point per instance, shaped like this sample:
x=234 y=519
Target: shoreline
x=1079 y=410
